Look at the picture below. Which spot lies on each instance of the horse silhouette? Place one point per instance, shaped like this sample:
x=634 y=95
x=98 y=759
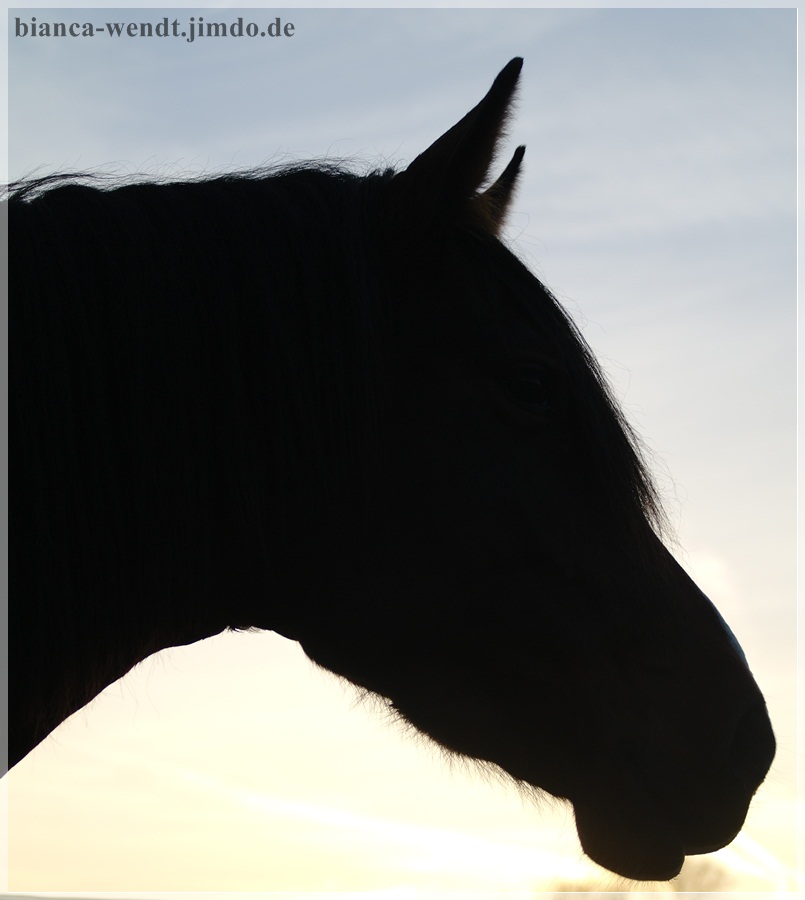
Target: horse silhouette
x=338 y=407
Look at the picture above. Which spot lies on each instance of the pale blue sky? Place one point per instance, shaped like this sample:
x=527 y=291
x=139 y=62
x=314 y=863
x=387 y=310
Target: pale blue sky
x=658 y=202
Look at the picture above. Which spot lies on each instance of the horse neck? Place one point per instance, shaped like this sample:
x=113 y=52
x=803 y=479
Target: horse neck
x=151 y=460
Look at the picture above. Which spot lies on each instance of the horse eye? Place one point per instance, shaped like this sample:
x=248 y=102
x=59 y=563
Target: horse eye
x=530 y=387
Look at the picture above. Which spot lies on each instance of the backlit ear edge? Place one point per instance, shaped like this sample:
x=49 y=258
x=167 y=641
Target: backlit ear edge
x=493 y=204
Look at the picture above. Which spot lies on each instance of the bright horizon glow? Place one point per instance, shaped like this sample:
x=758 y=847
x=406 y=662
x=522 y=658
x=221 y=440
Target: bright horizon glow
x=658 y=203
x=483 y=835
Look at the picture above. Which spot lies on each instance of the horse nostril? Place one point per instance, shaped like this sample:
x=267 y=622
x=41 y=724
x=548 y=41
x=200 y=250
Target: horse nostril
x=753 y=747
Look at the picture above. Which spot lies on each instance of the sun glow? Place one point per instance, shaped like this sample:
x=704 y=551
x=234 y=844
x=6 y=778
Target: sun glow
x=504 y=865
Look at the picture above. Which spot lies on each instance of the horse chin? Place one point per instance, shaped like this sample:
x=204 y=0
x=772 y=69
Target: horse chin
x=623 y=826
x=631 y=830
x=637 y=842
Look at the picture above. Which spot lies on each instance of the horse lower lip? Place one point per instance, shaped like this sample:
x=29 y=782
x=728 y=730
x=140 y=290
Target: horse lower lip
x=632 y=830
x=629 y=834
x=659 y=862
x=645 y=835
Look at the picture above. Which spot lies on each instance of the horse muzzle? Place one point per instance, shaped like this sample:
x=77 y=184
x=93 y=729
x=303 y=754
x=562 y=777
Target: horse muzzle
x=642 y=825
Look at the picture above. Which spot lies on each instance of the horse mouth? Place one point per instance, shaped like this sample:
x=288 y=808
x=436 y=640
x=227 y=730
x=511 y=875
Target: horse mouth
x=640 y=841
x=641 y=826
x=638 y=835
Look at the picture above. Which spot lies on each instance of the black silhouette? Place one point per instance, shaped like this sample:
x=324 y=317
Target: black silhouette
x=338 y=407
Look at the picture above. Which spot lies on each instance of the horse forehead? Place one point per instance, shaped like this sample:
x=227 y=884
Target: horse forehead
x=503 y=300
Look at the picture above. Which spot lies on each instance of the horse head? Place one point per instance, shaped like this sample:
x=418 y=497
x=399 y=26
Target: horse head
x=515 y=600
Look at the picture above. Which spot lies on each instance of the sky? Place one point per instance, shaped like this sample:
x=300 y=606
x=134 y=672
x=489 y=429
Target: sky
x=658 y=203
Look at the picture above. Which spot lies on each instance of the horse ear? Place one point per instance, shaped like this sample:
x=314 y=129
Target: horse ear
x=494 y=202
x=455 y=166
